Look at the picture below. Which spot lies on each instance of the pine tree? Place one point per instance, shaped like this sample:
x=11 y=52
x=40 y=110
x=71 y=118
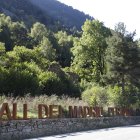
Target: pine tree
x=123 y=60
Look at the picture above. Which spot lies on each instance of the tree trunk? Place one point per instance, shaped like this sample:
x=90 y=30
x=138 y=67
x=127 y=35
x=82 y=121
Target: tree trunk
x=123 y=85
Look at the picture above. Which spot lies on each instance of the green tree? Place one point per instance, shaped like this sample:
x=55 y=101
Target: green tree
x=38 y=31
x=5 y=33
x=19 y=35
x=123 y=62
x=64 y=44
x=2 y=54
x=18 y=80
x=96 y=96
x=46 y=49
x=2 y=49
x=89 y=51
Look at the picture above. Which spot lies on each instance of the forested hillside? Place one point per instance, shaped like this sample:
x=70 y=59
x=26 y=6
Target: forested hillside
x=61 y=13
x=49 y=12
x=99 y=65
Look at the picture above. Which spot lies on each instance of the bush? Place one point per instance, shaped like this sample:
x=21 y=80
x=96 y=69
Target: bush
x=50 y=83
x=17 y=82
x=96 y=96
x=129 y=99
x=115 y=98
x=71 y=89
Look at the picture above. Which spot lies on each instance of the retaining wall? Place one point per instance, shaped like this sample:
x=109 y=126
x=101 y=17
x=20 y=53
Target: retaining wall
x=17 y=130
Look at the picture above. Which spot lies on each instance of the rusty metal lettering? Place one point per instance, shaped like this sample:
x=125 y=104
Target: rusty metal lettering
x=5 y=111
x=81 y=112
x=25 y=109
x=14 y=117
x=73 y=111
x=87 y=111
x=54 y=111
x=40 y=111
x=111 y=111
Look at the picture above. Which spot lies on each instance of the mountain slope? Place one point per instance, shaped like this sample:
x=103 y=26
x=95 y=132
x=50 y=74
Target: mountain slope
x=23 y=10
x=48 y=12
x=60 y=12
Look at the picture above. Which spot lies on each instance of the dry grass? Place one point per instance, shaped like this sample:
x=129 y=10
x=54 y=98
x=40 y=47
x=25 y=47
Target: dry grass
x=33 y=102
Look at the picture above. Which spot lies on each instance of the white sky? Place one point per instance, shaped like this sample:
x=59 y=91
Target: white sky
x=111 y=11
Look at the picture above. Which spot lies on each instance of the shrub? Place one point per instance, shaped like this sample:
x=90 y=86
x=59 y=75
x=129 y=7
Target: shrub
x=115 y=98
x=18 y=83
x=96 y=96
x=129 y=99
x=50 y=83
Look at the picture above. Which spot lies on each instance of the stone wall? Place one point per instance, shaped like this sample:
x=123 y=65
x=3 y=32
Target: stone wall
x=16 y=130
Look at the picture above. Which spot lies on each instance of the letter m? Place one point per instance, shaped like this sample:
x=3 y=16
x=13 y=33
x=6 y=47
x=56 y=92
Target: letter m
x=73 y=111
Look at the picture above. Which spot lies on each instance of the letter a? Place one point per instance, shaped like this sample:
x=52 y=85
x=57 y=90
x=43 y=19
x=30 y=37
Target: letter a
x=5 y=111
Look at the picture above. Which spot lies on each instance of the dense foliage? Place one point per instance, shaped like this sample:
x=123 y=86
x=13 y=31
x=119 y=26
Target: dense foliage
x=52 y=13
x=101 y=66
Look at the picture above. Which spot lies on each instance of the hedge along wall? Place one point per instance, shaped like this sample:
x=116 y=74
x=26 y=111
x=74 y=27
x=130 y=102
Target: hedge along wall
x=16 y=129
